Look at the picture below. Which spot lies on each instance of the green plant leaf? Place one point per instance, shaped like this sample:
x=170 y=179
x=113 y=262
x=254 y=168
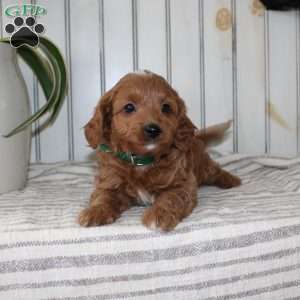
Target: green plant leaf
x=40 y=67
x=47 y=45
x=48 y=65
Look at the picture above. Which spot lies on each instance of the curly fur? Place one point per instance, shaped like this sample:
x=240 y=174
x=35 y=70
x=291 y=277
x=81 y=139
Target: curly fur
x=181 y=161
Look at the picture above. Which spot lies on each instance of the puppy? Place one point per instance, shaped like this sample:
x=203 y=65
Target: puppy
x=149 y=154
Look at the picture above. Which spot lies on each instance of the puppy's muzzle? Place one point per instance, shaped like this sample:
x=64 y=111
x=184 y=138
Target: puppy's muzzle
x=152 y=131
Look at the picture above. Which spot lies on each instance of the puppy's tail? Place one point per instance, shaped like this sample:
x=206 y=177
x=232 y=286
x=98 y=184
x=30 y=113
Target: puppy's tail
x=215 y=134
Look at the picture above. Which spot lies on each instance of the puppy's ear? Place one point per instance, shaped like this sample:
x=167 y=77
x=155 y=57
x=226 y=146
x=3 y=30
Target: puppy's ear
x=97 y=130
x=185 y=130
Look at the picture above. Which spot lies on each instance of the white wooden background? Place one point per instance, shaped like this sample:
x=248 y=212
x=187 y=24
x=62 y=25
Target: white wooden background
x=229 y=59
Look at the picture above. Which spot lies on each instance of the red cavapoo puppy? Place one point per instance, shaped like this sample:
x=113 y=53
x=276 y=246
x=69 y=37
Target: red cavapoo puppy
x=149 y=152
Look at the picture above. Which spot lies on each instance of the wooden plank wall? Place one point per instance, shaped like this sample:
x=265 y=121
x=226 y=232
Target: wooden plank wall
x=228 y=59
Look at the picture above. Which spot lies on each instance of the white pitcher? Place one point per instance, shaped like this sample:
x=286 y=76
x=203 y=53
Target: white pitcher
x=14 y=108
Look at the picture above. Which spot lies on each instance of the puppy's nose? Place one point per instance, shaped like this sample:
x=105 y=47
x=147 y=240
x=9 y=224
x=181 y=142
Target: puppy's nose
x=152 y=130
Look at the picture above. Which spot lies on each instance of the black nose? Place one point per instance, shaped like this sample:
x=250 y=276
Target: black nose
x=152 y=130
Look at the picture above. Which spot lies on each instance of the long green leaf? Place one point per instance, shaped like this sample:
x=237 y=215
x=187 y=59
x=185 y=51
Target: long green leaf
x=40 y=67
x=38 y=64
x=47 y=45
x=48 y=64
x=44 y=109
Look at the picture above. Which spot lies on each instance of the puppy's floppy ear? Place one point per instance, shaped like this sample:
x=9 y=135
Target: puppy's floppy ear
x=97 y=130
x=185 y=130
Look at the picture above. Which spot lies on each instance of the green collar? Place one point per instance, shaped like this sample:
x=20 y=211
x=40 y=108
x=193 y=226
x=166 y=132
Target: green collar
x=128 y=157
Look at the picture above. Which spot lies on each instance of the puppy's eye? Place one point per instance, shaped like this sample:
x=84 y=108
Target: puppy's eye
x=166 y=108
x=129 y=108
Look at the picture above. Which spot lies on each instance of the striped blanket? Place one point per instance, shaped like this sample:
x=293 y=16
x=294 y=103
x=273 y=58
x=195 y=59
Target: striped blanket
x=242 y=243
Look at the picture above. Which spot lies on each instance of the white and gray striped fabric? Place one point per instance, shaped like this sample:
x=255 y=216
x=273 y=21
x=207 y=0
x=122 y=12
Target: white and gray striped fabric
x=242 y=243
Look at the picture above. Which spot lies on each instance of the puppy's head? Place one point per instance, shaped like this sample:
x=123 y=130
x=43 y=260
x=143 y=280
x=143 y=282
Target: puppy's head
x=141 y=114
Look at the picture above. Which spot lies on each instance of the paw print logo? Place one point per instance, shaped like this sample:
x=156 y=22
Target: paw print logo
x=24 y=32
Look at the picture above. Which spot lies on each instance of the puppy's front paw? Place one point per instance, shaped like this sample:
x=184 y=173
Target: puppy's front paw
x=157 y=217
x=227 y=181
x=95 y=216
x=235 y=181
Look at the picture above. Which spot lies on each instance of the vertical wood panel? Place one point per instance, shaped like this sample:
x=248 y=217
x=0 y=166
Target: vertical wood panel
x=283 y=84
x=185 y=55
x=234 y=79
x=102 y=46
x=118 y=39
x=201 y=25
x=55 y=139
x=251 y=77
x=135 y=52
x=1 y=19
x=86 y=88
x=168 y=40
x=26 y=72
x=267 y=82
x=218 y=65
x=298 y=79
x=221 y=73
x=69 y=98
x=152 y=36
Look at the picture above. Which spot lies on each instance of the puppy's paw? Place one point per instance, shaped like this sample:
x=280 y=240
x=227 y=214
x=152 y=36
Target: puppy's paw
x=235 y=181
x=156 y=217
x=227 y=181
x=95 y=216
